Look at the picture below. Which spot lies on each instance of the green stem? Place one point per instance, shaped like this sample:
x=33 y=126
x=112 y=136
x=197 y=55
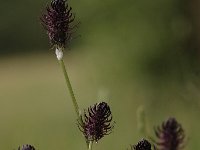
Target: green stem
x=70 y=88
x=90 y=145
x=75 y=104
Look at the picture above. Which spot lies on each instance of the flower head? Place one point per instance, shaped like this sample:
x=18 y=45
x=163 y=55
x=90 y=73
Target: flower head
x=26 y=147
x=96 y=122
x=57 y=20
x=170 y=135
x=142 y=145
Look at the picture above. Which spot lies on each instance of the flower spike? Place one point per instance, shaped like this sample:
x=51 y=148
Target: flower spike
x=96 y=122
x=170 y=135
x=142 y=145
x=57 y=20
x=26 y=147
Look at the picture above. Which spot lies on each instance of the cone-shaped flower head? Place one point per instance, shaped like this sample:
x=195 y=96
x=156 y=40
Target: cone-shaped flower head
x=170 y=135
x=96 y=122
x=26 y=147
x=57 y=20
x=142 y=145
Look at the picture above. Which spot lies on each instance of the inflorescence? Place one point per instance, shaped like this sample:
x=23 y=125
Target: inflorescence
x=96 y=122
x=26 y=147
x=142 y=145
x=57 y=20
x=170 y=135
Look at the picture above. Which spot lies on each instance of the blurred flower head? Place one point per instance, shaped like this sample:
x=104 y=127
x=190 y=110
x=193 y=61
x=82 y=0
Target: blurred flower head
x=57 y=20
x=26 y=147
x=96 y=122
x=170 y=135
x=142 y=145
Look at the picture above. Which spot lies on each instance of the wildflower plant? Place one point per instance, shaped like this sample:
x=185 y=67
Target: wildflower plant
x=170 y=135
x=58 y=20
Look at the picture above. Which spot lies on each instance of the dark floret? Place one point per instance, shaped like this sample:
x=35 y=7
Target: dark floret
x=96 y=122
x=170 y=135
x=58 y=21
x=142 y=145
x=26 y=147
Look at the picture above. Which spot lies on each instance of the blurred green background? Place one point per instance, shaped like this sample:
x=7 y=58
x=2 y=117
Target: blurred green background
x=130 y=53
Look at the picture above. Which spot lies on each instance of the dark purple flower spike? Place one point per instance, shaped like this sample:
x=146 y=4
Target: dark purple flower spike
x=170 y=135
x=96 y=122
x=142 y=145
x=26 y=147
x=57 y=20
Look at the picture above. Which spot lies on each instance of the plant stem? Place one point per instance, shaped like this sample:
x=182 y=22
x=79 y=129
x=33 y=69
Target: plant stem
x=90 y=145
x=70 y=87
x=59 y=54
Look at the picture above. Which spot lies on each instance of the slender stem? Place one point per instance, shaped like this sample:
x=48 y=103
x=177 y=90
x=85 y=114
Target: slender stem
x=70 y=87
x=59 y=54
x=90 y=145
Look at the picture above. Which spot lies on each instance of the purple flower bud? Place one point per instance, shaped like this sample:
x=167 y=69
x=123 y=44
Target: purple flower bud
x=170 y=135
x=96 y=122
x=57 y=20
x=142 y=145
x=26 y=147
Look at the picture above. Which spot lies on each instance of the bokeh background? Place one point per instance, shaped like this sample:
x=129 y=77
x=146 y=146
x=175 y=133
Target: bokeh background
x=129 y=53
